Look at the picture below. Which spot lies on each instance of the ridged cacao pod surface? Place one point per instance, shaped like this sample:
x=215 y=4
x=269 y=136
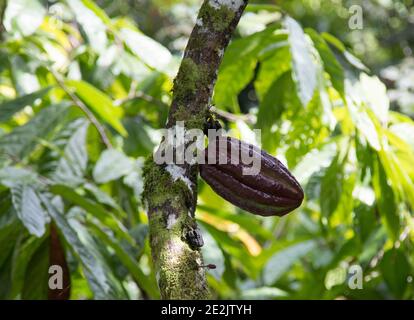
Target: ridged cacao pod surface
x=271 y=191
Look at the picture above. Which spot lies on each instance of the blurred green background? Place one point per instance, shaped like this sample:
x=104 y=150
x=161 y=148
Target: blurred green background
x=85 y=86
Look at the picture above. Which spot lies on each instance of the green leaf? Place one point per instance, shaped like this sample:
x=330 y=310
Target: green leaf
x=331 y=64
x=36 y=278
x=263 y=293
x=303 y=64
x=94 y=208
x=28 y=207
x=212 y=254
x=271 y=69
x=237 y=68
x=395 y=269
x=13 y=176
x=280 y=262
x=151 y=52
x=112 y=165
x=24 y=75
x=22 y=140
x=9 y=108
x=23 y=16
x=100 y=103
x=72 y=166
x=271 y=108
x=91 y=24
x=148 y=285
x=96 y=271
x=331 y=187
x=10 y=228
x=386 y=202
x=21 y=260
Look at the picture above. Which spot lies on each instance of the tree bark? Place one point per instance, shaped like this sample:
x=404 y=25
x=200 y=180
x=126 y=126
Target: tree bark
x=3 y=5
x=170 y=193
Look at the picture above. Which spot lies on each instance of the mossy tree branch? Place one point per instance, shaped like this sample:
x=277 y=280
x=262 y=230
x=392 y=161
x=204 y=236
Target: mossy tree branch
x=3 y=5
x=174 y=236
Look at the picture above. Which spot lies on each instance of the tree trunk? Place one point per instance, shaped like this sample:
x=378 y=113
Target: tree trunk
x=170 y=193
x=3 y=5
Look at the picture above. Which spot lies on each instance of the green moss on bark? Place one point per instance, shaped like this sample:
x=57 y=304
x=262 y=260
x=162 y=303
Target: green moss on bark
x=176 y=263
x=219 y=19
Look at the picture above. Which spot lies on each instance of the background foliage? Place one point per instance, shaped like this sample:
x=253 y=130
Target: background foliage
x=83 y=92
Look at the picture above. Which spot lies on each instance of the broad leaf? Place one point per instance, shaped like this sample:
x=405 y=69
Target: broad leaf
x=282 y=260
x=112 y=165
x=72 y=166
x=22 y=140
x=23 y=16
x=28 y=207
x=9 y=108
x=100 y=103
x=95 y=269
x=303 y=64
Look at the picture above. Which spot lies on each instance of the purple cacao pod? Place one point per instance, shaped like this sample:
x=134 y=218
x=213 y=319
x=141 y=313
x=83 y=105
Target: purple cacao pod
x=271 y=190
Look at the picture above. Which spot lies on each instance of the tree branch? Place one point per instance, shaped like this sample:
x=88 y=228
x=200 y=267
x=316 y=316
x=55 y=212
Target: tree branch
x=88 y=113
x=3 y=5
x=170 y=192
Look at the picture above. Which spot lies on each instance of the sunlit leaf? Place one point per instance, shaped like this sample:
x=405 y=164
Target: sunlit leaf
x=91 y=24
x=386 y=202
x=303 y=64
x=71 y=167
x=331 y=64
x=100 y=103
x=96 y=270
x=21 y=141
x=212 y=254
x=8 y=108
x=112 y=165
x=284 y=259
x=28 y=207
x=396 y=270
x=151 y=52
x=23 y=16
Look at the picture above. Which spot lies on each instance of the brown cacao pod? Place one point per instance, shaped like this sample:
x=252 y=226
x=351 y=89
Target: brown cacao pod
x=271 y=191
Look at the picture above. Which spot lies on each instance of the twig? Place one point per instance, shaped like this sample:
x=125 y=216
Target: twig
x=79 y=103
x=248 y=118
x=143 y=96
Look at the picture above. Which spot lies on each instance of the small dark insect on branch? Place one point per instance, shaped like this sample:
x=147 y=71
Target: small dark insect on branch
x=208 y=266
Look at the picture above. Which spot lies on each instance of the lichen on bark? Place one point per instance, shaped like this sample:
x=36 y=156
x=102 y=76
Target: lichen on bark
x=174 y=236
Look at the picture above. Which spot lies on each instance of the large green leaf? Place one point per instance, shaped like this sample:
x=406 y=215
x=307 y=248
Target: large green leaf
x=91 y=24
x=96 y=270
x=213 y=255
x=72 y=165
x=237 y=69
x=331 y=187
x=151 y=52
x=386 y=201
x=94 y=208
x=331 y=64
x=22 y=140
x=28 y=207
x=100 y=103
x=271 y=69
x=282 y=260
x=147 y=284
x=303 y=64
x=9 y=108
x=396 y=269
x=112 y=165
x=36 y=278
x=23 y=16
x=21 y=260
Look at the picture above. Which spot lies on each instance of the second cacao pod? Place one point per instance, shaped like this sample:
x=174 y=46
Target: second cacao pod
x=271 y=191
